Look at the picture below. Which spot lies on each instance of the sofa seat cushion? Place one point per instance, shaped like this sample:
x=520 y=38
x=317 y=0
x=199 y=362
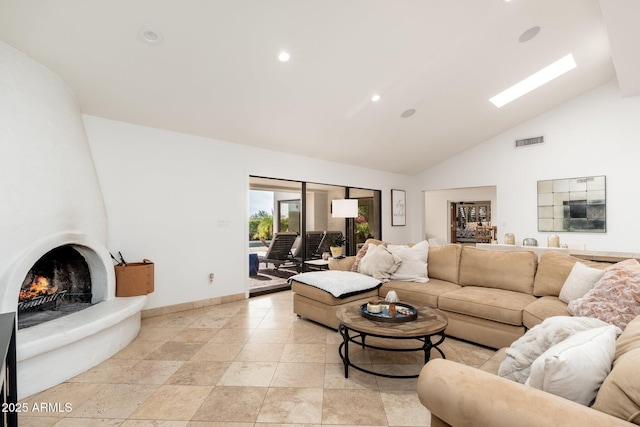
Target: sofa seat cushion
x=498 y=305
x=512 y=271
x=325 y=297
x=419 y=293
x=541 y=309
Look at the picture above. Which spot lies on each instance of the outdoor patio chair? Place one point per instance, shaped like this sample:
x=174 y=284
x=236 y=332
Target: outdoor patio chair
x=279 y=251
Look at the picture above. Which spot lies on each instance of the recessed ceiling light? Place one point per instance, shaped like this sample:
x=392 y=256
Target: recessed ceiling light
x=150 y=37
x=375 y=98
x=284 y=56
x=529 y=34
x=408 y=113
x=534 y=81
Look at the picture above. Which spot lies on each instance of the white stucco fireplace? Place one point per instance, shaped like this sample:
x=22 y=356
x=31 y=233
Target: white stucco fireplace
x=51 y=199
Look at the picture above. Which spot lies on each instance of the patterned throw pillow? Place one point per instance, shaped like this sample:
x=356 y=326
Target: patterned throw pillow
x=615 y=299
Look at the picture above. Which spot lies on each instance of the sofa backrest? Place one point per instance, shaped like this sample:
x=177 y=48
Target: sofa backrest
x=443 y=262
x=554 y=268
x=512 y=271
x=619 y=394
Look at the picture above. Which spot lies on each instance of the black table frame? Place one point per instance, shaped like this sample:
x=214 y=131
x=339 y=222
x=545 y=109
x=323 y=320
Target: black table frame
x=360 y=337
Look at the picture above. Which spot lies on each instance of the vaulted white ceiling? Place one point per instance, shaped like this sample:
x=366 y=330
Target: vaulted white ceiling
x=216 y=73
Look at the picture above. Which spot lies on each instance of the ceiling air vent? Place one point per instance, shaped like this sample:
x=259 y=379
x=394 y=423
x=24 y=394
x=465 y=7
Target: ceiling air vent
x=529 y=141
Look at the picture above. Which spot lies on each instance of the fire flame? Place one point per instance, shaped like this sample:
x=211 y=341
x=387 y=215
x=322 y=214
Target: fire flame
x=39 y=286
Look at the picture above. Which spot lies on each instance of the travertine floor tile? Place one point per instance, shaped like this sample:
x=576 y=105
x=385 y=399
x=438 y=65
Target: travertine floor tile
x=355 y=407
x=308 y=353
x=273 y=336
x=158 y=334
x=173 y=402
x=138 y=349
x=195 y=335
x=148 y=372
x=203 y=372
x=334 y=378
x=114 y=401
x=403 y=408
x=25 y=420
x=236 y=404
x=292 y=405
x=105 y=372
x=250 y=374
x=305 y=375
x=260 y=352
x=175 y=351
x=71 y=393
x=217 y=352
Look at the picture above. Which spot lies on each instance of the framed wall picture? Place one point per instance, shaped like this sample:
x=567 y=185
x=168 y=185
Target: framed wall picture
x=398 y=207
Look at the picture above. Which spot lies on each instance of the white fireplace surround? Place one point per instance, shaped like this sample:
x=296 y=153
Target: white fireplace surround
x=51 y=198
x=54 y=351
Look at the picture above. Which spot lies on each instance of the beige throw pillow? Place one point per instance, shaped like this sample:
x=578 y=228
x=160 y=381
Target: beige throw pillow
x=379 y=263
x=580 y=281
x=576 y=367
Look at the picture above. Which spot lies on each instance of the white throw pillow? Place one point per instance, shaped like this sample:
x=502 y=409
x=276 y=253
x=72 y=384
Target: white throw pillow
x=414 y=262
x=576 y=367
x=525 y=350
x=580 y=281
x=379 y=263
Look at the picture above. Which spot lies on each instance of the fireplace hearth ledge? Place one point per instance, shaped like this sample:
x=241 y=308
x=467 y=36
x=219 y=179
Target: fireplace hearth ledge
x=55 y=351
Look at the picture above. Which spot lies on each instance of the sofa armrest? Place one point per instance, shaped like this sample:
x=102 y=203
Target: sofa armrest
x=343 y=264
x=464 y=396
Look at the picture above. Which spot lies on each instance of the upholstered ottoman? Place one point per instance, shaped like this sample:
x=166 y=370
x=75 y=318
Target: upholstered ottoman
x=318 y=294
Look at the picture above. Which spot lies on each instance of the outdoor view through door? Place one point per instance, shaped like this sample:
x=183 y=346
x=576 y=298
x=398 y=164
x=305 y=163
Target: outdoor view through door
x=291 y=228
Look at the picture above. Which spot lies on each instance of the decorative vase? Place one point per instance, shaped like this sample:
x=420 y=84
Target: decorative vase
x=392 y=309
x=509 y=239
x=553 y=241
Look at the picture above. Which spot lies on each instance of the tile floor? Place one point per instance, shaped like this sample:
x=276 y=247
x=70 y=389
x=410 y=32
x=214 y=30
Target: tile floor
x=250 y=363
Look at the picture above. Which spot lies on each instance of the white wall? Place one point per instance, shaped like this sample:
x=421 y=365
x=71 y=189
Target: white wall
x=595 y=134
x=48 y=185
x=182 y=201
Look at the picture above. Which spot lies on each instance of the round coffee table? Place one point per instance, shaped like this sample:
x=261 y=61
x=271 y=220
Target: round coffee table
x=354 y=328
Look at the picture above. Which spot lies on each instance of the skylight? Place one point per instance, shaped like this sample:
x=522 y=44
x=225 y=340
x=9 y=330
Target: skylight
x=534 y=81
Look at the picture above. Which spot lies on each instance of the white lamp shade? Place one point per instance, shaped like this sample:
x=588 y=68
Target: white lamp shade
x=344 y=208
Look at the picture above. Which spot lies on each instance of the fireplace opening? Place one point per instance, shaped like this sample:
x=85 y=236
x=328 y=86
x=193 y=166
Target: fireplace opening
x=58 y=284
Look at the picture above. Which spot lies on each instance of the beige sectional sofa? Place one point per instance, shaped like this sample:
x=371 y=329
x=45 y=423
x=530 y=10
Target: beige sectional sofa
x=459 y=395
x=490 y=297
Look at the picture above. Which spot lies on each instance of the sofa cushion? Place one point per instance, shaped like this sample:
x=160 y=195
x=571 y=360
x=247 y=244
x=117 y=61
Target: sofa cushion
x=554 y=268
x=413 y=267
x=379 y=263
x=419 y=293
x=581 y=280
x=543 y=308
x=521 y=354
x=498 y=305
x=614 y=299
x=340 y=284
x=630 y=338
x=619 y=394
x=576 y=367
x=324 y=297
x=444 y=262
x=511 y=271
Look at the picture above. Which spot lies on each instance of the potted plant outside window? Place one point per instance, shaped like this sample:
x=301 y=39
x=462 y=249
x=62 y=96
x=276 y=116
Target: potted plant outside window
x=336 y=244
